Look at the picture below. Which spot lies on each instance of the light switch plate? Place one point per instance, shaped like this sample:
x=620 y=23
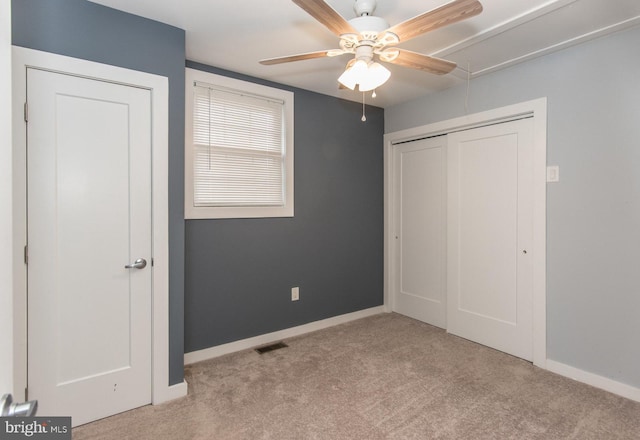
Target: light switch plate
x=553 y=173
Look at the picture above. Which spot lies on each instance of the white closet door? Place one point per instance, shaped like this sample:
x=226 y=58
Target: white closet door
x=419 y=182
x=489 y=264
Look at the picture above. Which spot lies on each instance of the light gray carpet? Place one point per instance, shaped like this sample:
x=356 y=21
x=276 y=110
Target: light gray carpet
x=383 y=377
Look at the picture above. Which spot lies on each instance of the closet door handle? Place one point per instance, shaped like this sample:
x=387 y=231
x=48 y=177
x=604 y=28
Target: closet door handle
x=140 y=263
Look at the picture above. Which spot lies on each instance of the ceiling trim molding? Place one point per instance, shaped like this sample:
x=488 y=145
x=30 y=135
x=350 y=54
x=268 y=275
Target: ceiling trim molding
x=505 y=26
x=559 y=46
x=510 y=25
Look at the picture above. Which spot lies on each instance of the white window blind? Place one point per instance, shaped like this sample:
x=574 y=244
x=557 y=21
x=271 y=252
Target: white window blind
x=239 y=148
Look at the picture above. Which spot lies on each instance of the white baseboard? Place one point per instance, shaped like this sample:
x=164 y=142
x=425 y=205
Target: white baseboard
x=232 y=347
x=170 y=393
x=604 y=383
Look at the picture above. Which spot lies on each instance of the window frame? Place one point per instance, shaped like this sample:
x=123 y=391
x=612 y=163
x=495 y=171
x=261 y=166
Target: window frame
x=221 y=212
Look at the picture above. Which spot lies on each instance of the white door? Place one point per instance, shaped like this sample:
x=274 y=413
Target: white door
x=489 y=264
x=89 y=215
x=420 y=230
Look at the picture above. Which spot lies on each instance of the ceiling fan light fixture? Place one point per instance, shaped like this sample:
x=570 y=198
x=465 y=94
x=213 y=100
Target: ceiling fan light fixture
x=367 y=75
x=375 y=76
x=353 y=74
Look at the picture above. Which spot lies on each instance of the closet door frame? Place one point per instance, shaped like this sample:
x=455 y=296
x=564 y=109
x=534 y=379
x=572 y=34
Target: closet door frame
x=538 y=110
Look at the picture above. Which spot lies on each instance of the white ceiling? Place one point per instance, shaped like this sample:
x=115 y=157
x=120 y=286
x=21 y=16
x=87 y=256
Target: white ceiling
x=235 y=35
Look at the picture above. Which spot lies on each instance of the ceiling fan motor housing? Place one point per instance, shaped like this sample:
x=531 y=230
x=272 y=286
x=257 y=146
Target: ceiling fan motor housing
x=365 y=22
x=369 y=23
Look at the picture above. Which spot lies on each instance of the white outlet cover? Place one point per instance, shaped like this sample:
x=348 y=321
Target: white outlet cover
x=295 y=293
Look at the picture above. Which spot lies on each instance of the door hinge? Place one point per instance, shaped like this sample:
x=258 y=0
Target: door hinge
x=26 y=112
x=26 y=254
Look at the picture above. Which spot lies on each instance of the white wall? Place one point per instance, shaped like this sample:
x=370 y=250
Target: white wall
x=593 y=212
x=6 y=265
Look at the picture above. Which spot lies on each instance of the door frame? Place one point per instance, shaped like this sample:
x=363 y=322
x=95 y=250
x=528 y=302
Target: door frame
x=537 y=109
x=159 y=88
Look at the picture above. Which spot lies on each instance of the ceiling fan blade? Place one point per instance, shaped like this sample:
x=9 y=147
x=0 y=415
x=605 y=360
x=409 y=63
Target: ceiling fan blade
x=299 y=57
x=449 y=13
x=326 y=15
x=419 y=61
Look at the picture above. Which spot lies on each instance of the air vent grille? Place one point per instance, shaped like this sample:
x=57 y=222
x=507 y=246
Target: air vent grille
x=271 y=347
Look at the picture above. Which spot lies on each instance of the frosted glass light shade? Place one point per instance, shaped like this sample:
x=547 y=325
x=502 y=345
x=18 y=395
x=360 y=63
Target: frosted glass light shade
x=375 y=76
x=367 y=76
x=353 y=74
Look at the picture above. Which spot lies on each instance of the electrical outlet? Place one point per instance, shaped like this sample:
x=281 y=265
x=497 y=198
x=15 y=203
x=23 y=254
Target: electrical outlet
x=295 y=293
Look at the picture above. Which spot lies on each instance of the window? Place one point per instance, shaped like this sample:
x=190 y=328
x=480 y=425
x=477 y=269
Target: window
x=239 y=148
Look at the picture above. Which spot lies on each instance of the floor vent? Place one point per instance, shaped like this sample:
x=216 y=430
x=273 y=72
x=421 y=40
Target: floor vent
x=271 y=347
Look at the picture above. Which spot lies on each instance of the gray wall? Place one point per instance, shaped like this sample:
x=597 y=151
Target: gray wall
x=81 y=29
x=239 y=273
x=593 y=213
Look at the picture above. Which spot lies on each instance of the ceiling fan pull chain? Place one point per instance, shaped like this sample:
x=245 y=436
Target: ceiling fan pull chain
x=364 y=118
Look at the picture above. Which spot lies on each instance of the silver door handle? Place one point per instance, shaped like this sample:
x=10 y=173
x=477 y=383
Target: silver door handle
x=140 y=263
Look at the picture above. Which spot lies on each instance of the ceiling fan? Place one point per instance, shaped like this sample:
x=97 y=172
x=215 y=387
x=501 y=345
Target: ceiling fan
x=368 y=36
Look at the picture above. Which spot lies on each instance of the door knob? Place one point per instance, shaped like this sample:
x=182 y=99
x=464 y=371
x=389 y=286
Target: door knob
x=140 y=263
